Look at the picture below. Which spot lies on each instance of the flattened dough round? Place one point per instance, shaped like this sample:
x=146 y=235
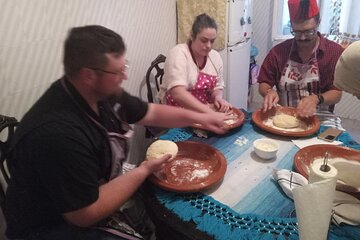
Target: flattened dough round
x=285 y=121
x=160 y=148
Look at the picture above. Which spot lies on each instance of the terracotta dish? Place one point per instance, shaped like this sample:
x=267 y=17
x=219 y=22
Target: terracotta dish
x=237 y=122
x=305 y=156
x=196 y=167
x=259 y=118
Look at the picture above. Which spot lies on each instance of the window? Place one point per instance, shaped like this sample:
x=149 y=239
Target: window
x=281 y=20
x=339 y=20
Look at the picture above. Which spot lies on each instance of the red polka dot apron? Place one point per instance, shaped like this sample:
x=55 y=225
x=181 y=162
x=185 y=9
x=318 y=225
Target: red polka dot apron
x=202 y=89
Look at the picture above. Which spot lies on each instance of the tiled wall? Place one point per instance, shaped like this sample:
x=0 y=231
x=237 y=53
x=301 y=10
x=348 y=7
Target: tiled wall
x=33 y=31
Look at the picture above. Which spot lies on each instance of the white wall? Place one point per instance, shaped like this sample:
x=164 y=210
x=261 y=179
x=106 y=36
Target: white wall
x=33 y=31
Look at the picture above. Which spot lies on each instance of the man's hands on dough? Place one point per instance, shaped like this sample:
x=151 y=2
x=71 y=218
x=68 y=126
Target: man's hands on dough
x=307 y=106
x=270 y=100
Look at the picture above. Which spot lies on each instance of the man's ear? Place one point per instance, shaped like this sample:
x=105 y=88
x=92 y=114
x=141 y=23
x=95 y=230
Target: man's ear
x=87 y=75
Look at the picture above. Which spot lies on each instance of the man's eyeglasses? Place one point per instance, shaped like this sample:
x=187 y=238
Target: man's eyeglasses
x=123 y=71
x=307 y=33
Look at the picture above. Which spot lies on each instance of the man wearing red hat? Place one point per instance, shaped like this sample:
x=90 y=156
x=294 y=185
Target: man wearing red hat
x=302 y=68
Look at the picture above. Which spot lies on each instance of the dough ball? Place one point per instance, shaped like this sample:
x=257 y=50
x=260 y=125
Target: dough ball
x=160 y=148
x=285 y=121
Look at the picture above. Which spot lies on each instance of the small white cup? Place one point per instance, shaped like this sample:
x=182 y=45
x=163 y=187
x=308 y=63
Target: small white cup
x=265 y=148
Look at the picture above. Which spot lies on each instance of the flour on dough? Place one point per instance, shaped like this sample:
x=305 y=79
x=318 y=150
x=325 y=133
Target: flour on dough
x=160 y=148
x=285 y=121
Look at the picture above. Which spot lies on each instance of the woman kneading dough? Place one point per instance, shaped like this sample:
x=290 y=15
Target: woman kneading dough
x=193 y=71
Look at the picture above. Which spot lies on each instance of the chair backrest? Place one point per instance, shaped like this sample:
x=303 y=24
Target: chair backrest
x=9 y=124
x=154 y=77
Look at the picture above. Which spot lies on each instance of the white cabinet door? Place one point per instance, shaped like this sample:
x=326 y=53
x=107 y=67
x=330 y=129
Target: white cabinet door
x=238 y=61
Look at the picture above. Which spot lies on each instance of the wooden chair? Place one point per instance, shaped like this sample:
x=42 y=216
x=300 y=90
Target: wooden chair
x=8 y=123
x=154 y=77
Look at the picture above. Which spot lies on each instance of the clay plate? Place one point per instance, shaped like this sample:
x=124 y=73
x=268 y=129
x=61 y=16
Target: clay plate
x=239 y=121
x=305 y=156
x=259 y=117
x=196 y=167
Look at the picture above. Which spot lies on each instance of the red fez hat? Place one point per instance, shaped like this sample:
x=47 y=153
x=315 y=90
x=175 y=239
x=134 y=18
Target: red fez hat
x=295 y=9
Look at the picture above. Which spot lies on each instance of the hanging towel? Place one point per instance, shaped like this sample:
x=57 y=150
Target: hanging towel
x=187 y=10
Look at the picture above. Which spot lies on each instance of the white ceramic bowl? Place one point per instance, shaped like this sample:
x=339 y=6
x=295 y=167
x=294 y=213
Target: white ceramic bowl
x=265 y=148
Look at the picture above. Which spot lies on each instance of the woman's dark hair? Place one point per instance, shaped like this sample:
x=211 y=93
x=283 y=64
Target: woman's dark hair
x=86 y=47
x=304 y=12
x=202 y=21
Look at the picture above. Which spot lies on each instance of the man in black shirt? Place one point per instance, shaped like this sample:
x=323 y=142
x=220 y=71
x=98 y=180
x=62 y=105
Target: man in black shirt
x=67 y=155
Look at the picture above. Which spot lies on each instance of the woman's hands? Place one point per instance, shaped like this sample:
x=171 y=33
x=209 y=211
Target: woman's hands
x=221 y=105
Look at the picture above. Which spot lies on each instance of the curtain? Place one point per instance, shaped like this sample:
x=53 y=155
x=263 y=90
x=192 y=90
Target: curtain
x=187 y=10
x=340 y=20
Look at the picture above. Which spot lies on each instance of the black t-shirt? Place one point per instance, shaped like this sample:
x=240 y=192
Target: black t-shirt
x=59 y=156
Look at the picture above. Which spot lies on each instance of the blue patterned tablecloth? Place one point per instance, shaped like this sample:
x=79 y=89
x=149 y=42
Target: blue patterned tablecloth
x=248 y=204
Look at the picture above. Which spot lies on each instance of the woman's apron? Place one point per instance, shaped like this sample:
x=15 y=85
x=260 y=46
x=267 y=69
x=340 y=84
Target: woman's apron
x=132 y=214
x=201 y=90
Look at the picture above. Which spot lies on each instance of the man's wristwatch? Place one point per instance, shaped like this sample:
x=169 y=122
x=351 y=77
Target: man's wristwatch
x=320 y=98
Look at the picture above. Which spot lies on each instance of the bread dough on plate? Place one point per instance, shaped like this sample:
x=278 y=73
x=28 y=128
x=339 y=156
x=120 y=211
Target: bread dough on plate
x=285 y=121
x=160 y=148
